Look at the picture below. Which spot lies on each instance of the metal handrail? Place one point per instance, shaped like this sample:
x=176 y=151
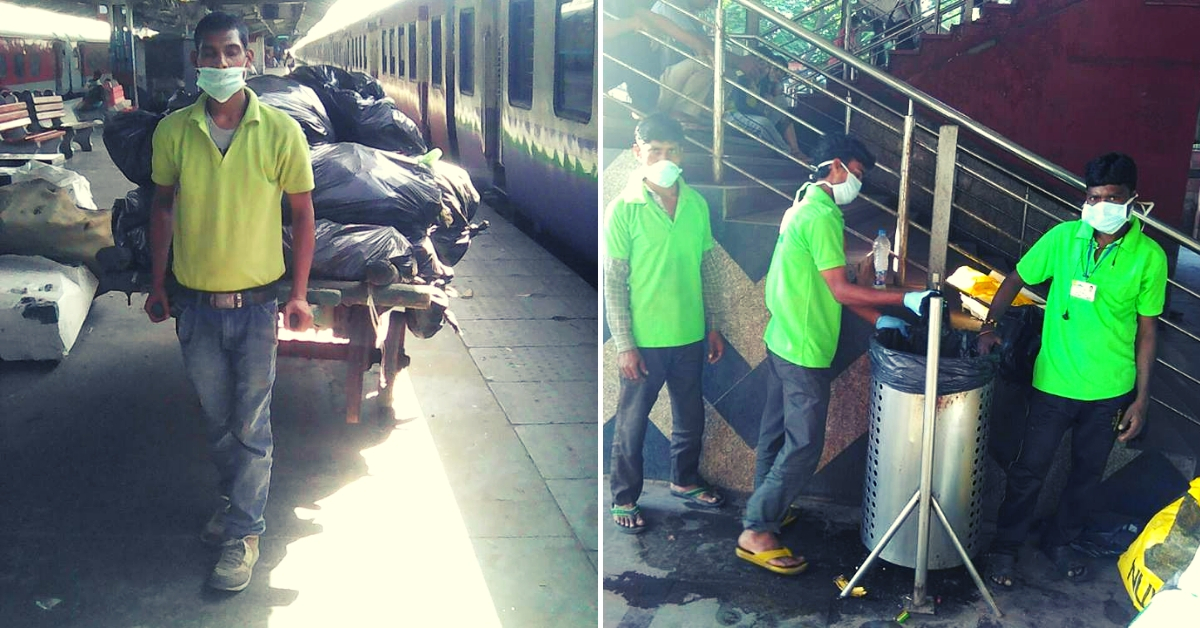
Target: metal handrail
x=953 y=115
x=930 y=103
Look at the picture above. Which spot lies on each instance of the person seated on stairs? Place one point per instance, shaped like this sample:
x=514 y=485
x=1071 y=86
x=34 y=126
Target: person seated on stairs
x=747 y=109
x=623 y=41
x=687 y=84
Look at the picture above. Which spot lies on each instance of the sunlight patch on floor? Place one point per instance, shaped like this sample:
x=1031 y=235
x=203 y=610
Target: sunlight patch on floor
x=393 y=549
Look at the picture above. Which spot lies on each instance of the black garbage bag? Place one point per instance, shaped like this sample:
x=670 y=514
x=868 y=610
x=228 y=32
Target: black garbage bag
x=343 y=252
x=899 y=362
x=300 y=102
x=323 y=77
x=367 y=86
x=381 y=125
x=358 y=184
x=460 y=201
x=430 y=268
x=1021 y=331
x=131 y=225
x=181 y=98
x=129 y=138
x=427 y=323
x=375 y=123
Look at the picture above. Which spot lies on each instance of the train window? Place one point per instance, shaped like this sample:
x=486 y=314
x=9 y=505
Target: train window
x=392 y=51
x=412 y=51
x=35 y=64
x=400 y=71
x=19 y=65
x=466 y=52
x=3 y=66
x=574 y=58
x=435 y=47
x=520 y=53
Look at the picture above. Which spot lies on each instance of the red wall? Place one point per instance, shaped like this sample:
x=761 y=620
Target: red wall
x=1072 y=79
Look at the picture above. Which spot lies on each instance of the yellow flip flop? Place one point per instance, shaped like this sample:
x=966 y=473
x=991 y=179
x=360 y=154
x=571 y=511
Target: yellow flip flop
x=762 y=559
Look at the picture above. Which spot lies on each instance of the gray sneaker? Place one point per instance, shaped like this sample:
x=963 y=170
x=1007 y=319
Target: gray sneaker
x=213 y=533
x=236 y=565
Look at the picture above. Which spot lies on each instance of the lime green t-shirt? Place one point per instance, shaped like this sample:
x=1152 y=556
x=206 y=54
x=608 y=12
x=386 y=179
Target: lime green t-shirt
x=228 y=217
x=1088 y=346
x=666 y=297
x=805 y=318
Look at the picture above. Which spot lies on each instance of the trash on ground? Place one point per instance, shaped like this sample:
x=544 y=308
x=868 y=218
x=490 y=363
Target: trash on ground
x=42 y=307
x=841 y=583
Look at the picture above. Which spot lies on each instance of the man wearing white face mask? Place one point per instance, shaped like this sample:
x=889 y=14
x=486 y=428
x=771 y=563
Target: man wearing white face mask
x=806 y=288
x=1092 y=375
x=659 y=298
x=221 y=167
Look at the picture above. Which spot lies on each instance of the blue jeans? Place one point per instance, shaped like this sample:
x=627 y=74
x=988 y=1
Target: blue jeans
x=230 y=358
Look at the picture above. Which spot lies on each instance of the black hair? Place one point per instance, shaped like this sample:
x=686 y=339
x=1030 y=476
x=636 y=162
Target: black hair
x=843 y=147
x=1111 y=169
x=658 y=127
x=220 y=22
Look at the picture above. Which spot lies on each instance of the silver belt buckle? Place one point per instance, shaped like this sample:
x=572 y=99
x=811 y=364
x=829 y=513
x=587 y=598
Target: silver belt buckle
x=226 y=300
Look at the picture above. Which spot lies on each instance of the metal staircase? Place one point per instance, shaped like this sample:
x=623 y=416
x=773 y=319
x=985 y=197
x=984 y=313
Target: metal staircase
x=990 y=201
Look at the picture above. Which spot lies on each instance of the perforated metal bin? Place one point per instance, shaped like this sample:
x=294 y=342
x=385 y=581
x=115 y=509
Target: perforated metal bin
x=894 y=468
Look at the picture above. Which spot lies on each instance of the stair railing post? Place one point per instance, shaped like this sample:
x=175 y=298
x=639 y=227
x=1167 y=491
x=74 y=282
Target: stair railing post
x=910 y=123
x=718 y=164
x=943 y=198
x=937 y=17
x=846 y=69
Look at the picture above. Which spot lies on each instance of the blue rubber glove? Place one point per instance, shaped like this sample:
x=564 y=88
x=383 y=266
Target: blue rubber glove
x=891 y=322
x=913 y=300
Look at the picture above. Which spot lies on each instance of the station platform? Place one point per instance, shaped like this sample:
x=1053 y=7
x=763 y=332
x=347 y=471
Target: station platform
x=475 y=507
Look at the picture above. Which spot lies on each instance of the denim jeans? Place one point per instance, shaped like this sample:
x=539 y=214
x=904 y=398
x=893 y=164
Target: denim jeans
x=1092 y=439
x=230 y=358
x=680 y=368
x=790 y=440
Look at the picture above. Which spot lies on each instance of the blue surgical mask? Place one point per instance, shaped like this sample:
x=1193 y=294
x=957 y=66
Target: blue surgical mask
x=846 y=191
x=221 y=83
x=1105 y=216
x=663 y=173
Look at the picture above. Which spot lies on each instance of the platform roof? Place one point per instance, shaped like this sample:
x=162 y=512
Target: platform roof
x=291 y=19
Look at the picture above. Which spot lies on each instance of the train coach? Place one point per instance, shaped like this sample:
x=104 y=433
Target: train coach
x=506 y=88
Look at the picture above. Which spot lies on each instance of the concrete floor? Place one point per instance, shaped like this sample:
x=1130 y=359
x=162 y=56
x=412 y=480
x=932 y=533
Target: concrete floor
x=478 y=508
x=683 y=573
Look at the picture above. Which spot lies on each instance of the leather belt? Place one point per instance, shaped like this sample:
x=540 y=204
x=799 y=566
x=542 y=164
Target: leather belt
x=228 y=300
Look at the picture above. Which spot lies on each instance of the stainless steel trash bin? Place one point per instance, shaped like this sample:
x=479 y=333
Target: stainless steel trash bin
x=894 y=466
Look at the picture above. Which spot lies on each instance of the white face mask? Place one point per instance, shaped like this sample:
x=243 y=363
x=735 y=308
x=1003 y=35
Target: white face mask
x=221 y=83
x=1107 y=217
x=663 y=173
x=846 y=191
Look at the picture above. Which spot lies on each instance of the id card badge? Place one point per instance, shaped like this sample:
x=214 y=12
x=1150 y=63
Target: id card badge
x=1083 y=290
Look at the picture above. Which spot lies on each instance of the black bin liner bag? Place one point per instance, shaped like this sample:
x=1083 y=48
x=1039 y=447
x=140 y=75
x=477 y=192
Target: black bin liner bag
x=129 y=138
x=357 y=184
x=342 y=252
x=375 y=123
x=300 y=102
x=131 y=225
x=899 y=362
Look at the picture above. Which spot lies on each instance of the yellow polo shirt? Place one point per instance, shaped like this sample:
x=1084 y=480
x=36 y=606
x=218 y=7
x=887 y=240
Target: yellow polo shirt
x=228 y=216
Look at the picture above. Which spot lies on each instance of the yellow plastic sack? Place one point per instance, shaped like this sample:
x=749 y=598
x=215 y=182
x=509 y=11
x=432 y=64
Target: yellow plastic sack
x=1166 y=546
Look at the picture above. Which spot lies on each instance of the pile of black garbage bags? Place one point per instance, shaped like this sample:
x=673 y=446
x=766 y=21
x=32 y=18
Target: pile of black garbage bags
x=379 y=196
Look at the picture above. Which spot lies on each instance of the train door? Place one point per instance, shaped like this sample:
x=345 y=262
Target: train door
x=491 y=79
x=62 y=73
x=449 y=87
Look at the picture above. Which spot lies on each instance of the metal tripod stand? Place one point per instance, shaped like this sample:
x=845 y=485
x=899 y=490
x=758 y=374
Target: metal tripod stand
x=923 y=500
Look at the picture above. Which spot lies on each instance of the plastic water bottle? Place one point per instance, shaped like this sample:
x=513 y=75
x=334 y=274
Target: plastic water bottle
x=881 y=250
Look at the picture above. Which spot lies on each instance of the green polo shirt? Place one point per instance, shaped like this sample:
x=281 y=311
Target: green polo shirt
x=1089 y=354
x=805 y=318
x=228 y=217
x=666 y=297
